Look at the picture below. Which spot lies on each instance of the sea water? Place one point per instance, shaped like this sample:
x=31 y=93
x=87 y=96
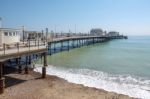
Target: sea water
x=121 y=66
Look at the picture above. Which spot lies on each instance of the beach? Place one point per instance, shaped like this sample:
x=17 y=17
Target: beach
x=120 y=66
x=32 y=86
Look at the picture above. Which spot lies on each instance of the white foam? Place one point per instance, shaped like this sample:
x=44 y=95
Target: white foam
x=128 y=85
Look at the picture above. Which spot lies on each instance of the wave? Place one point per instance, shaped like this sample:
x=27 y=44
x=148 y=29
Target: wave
x=123 y=84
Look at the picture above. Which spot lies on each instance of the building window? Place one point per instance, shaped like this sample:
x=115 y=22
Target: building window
x=6 y=33
x=10 y=33
x=14 y=33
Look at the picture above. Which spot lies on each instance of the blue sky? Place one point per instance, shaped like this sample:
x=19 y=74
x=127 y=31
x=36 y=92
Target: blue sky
x=130 y=17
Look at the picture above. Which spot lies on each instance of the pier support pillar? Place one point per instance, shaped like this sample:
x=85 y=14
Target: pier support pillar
x=45 y=65
x=87 y=42
x=68 y=45
x=50 y=49
x=2 y=79
x=54 y=47
x=61 y=46
x=82 y=42
x=79 y=43
x=19 y=65
x=93 y=41
x=27 y=68
x=96 y=40
x=20 y=69
x=73 y=44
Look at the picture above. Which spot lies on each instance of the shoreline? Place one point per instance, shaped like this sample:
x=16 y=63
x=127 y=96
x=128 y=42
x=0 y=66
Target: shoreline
x=53 y=87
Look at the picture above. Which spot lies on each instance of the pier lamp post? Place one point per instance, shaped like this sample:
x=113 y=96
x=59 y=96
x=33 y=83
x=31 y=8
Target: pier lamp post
x=42 y=35
x=55 y=31
x=29 y=43
x=46 y=34
x=23 y=34
x=61 y=34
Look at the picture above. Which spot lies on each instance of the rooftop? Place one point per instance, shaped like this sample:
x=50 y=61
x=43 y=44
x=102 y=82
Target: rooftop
x=9 y=29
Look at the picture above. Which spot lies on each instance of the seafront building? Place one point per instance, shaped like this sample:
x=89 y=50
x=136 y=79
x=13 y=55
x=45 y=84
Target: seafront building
x=113 y=33
x=33 y=35
x=9 y=36
x=97 y=32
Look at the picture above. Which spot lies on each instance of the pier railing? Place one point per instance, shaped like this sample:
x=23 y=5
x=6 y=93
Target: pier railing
x=22 y=46
x=33 y=44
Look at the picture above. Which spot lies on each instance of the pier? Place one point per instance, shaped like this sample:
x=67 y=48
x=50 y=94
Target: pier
x=65 y=44
x=34 y=49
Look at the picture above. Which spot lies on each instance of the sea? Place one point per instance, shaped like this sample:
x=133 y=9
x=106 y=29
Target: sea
x=121 y=66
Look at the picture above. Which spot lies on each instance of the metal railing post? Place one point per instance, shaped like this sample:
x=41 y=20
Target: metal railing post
x=35 y=42
x=18 y=47
x=38 y=43
x=4 y=47
x=29 y=44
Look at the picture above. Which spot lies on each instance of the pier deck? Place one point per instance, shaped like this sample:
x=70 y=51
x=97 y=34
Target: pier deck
x=13 y=53
x=33 y=48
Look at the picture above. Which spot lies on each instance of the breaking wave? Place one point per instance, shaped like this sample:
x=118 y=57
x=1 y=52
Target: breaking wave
x=123 y=84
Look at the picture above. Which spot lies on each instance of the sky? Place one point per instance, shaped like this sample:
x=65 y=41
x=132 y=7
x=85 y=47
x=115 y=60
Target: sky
x=129 y=17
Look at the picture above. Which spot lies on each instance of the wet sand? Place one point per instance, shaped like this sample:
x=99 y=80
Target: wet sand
x=31 y=86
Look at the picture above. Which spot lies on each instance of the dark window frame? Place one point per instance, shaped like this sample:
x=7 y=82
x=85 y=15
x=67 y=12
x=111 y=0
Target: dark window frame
x=6 y=33
x=10 y=34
